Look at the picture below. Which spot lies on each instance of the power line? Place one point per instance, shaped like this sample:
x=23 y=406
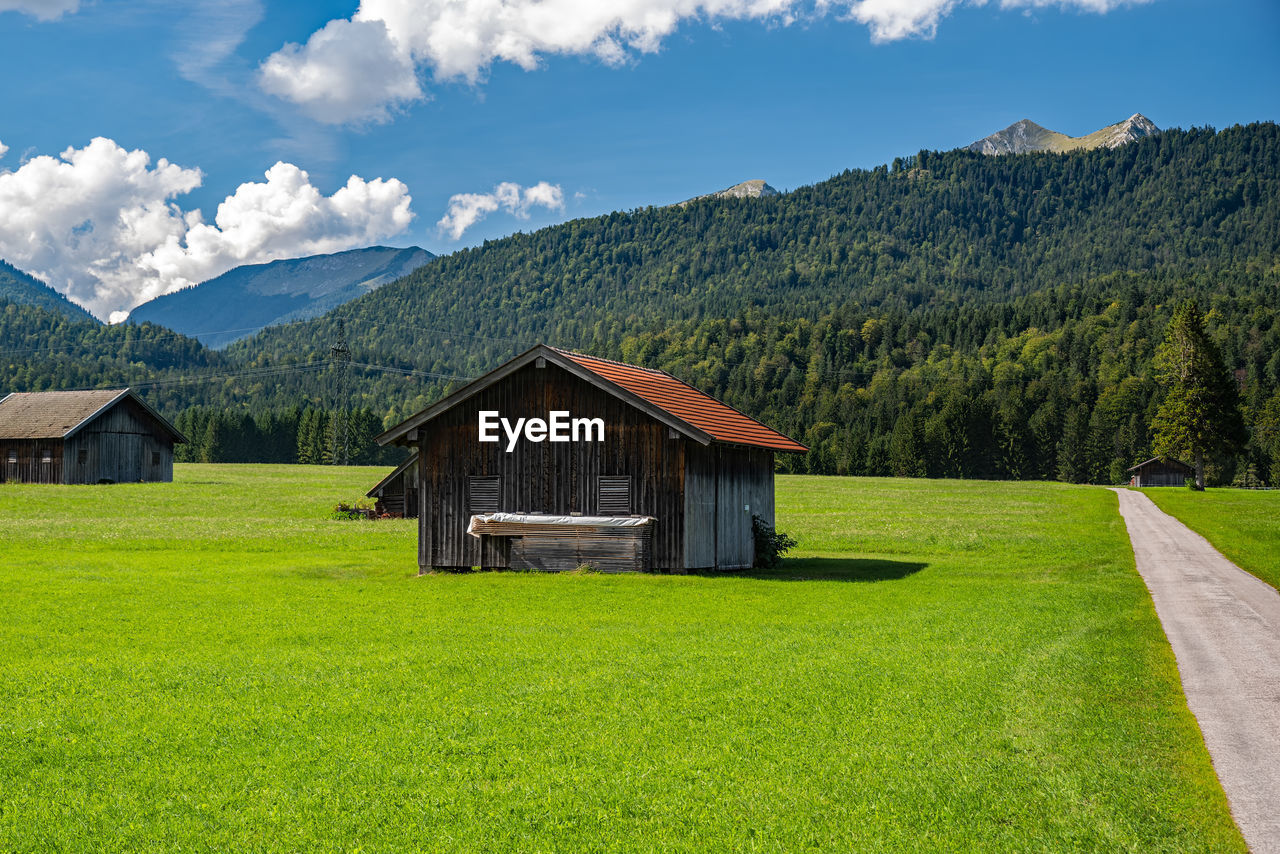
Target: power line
x=192 y=336
x=410 y=372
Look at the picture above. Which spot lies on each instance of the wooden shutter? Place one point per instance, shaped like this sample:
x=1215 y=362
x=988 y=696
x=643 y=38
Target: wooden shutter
x=484 y=494
x=614 y=496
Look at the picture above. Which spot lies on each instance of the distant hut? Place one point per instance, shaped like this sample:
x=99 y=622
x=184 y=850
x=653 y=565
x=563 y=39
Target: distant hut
x=84 y=437
x=397 y=493
x=1158 y=472
x=556 y=459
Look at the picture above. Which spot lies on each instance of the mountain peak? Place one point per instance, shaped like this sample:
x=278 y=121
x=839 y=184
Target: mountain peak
x=1025 y=135
x=756 y=188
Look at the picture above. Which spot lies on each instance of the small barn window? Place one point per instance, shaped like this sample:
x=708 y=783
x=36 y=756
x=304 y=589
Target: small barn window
x=13 y=456
x=155 y=458
x=483 y=493
x=614 y=496
x=46 y=455
x=82 y=456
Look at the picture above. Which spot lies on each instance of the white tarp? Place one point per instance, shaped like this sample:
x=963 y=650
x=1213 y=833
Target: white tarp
x=544 y=520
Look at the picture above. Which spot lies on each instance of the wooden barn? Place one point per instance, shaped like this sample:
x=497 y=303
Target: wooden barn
x=1158 y=472
x=556 y=460
x=397 y=493
x=84 y=437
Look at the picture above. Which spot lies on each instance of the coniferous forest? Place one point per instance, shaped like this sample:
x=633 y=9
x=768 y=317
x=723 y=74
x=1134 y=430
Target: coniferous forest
x=948 y=315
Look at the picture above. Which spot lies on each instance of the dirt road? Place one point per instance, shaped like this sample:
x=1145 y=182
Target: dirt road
x=1224 y=626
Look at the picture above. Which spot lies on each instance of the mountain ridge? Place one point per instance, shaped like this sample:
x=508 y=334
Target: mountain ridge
x=754 y=188
x=22 y=287
x=250 y=297
x=1025 y=136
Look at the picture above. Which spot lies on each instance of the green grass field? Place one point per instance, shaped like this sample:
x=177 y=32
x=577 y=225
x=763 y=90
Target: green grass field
x=217 y=665
x=1242 y=524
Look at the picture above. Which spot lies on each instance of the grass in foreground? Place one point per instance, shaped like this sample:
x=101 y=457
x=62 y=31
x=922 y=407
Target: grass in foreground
x=1243 y=524
x=217 y=665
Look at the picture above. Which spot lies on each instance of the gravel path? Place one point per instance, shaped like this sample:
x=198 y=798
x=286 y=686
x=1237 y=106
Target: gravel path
x=1224 y=626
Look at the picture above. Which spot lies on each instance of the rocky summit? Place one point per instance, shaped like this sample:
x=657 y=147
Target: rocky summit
x=1025 y=136
x=753 y=189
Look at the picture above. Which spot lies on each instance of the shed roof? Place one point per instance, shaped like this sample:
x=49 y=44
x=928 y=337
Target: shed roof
x=1166 y=461
x=60 y=414
x=396 y=472
x=718 y=420
x=667 y=399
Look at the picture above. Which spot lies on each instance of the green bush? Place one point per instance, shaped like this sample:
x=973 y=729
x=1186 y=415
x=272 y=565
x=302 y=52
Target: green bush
x=771 y=545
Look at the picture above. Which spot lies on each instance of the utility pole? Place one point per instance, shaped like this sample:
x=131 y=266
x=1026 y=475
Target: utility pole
x=340 y=355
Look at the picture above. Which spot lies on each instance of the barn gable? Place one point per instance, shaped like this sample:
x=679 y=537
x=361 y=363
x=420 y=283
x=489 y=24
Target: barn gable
x=658 y=394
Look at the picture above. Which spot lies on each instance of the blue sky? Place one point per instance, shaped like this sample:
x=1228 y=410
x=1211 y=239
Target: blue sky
x=580 y=117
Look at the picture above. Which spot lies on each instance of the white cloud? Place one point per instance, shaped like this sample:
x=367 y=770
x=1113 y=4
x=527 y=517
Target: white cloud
x=4 y=149
x=891 y=20
x=349 y=71
x=466 y=209
x=99 y=223
x=364 y=68
x=209 y=36
x=45 y=10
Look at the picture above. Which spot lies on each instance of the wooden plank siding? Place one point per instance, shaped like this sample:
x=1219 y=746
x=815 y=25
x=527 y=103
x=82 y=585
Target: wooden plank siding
x=21 y=460
x=724 y=487
x=545 y=477
x=120 y=446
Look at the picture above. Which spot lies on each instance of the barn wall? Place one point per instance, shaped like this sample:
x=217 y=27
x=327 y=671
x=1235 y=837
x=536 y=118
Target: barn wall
x=545 y=477
x=400 y=495
x=700 y=506
x=1159 y=474
x=120 y=446
x=744 y=489
x=28 y=468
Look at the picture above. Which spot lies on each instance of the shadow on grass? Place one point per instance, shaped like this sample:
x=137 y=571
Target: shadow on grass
x=829 y=569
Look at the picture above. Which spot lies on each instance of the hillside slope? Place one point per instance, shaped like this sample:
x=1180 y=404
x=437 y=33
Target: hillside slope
x=938 y=230
x=19 y=287
x=245 y=299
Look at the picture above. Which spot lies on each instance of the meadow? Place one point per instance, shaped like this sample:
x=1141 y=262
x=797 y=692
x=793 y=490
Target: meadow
x=1243 y=524
x=219 y=665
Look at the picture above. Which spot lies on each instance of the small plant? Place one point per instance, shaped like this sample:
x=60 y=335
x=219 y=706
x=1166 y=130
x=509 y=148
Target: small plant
x=771 y=545
x=361 y=508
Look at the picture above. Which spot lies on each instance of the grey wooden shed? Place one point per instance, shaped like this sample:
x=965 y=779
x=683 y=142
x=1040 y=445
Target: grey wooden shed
x=98 y=436
x=531 y=465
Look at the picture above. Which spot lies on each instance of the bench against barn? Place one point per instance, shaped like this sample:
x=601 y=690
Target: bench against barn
x=512 y=472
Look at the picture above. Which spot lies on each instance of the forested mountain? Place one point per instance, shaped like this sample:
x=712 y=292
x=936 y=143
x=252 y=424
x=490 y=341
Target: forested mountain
x=245 y=299
x=19 y=287
x=951 y=314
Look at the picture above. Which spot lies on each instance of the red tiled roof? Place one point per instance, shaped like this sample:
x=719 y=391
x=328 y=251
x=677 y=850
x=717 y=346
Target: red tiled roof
x=721 y=422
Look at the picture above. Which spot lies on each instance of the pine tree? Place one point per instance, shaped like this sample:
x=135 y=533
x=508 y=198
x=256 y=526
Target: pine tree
x=1200 y=414
x=906 y=457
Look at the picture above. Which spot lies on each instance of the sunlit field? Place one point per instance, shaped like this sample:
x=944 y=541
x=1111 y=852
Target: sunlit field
x=218 y=664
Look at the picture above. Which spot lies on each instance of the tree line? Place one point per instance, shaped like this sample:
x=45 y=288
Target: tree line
x=294 y=435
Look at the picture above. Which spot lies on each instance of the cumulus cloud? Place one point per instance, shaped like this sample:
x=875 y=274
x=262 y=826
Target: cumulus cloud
x=364 y=68
x=100 y=223
x=45 y=10
x=4 y=149
x=466 y=209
